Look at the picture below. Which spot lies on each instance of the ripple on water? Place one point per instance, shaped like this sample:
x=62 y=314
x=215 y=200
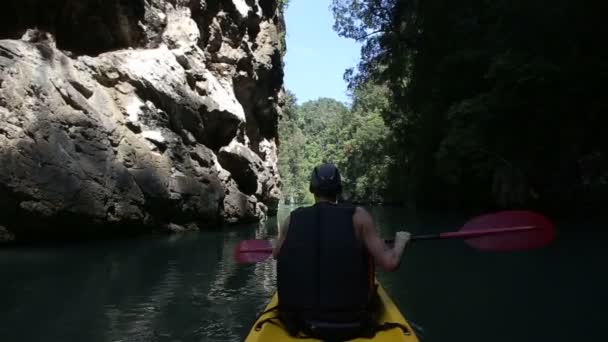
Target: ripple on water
x=189 y=289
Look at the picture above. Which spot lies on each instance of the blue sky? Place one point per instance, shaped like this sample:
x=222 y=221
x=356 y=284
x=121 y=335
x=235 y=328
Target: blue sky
x=316 y=57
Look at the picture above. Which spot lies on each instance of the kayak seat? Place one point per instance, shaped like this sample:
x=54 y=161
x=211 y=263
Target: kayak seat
x=325 y=330
x=389 y=324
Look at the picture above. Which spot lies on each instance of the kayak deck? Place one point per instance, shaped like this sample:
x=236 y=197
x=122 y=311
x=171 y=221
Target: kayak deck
x=390 y=313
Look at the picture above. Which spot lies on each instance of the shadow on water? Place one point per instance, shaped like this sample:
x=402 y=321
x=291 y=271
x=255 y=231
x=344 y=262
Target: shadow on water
x=188 y=287
x=456 y=293
x=185 y=288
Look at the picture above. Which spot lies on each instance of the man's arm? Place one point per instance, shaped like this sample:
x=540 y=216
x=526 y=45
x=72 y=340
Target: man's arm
x=278 y=242
x=387 y=258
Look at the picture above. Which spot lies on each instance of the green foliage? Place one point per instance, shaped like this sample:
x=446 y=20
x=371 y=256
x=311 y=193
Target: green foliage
x=291 y=153
x=366 y=164
x=283 y=4
x=354 y=139
x=491 y=102
x=283 y=43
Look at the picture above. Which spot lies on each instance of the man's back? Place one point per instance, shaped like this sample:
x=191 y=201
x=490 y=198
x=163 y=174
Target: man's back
x=324 y=271
x=322 y=264
x=365 y=231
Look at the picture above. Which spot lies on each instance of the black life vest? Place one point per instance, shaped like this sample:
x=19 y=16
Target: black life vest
x=324 y=273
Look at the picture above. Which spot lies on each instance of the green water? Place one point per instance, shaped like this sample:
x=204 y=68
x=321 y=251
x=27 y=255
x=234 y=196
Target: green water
x=188 y=288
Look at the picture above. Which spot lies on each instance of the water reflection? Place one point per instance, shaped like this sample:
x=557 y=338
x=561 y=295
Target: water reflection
x=188 y=287
x=178 y=288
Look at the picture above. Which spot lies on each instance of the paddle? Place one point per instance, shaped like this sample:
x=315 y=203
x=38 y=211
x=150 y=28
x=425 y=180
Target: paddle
x=502 y=231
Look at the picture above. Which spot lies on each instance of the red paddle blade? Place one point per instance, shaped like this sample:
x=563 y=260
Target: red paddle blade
x=252 y=251
x=516 y=230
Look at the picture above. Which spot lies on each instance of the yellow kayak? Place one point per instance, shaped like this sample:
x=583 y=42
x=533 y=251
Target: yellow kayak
x=390 y=313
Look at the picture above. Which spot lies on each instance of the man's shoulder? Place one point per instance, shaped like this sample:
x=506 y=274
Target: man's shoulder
x=360 y=211
x=361 y=221
x=360 y=215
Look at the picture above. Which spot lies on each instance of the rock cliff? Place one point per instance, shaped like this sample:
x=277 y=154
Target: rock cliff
x=119 y=116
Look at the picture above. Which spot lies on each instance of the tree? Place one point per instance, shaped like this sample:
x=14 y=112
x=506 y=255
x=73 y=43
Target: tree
x=493 y=103
x=355 y=139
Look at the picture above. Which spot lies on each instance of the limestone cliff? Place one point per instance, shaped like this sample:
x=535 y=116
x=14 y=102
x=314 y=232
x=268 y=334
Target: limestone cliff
x=133 y=115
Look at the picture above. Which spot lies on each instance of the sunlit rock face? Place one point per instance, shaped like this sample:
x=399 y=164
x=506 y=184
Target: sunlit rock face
x=120 y=116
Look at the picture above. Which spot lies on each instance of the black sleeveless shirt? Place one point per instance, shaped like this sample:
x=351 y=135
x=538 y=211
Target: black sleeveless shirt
x=323 y=270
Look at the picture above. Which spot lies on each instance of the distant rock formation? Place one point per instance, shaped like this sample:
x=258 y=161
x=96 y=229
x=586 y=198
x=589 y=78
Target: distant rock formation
x=121 y=116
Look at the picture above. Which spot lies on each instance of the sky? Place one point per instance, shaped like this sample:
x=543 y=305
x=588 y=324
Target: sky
x=316 y=57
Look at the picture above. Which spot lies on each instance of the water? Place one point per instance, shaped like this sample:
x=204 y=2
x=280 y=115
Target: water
x=188 y=288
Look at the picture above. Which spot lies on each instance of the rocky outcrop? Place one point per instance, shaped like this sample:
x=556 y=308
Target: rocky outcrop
x=155 y=114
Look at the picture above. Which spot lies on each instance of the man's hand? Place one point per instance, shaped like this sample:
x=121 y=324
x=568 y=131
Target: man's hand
x=273 y=243
x=276 y=243
x=387 y=258
x=403 y=237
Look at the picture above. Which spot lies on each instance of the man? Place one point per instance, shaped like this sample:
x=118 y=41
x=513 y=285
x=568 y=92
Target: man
x=325 y=264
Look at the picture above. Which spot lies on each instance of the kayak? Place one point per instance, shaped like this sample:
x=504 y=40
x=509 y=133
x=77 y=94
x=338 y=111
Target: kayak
x=390 y=313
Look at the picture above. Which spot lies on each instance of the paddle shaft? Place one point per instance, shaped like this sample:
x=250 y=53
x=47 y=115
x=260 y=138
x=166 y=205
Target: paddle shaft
x=448 y=235
x=467 y=234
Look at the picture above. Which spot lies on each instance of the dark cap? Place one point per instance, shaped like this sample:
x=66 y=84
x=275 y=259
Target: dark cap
x=325 y=181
